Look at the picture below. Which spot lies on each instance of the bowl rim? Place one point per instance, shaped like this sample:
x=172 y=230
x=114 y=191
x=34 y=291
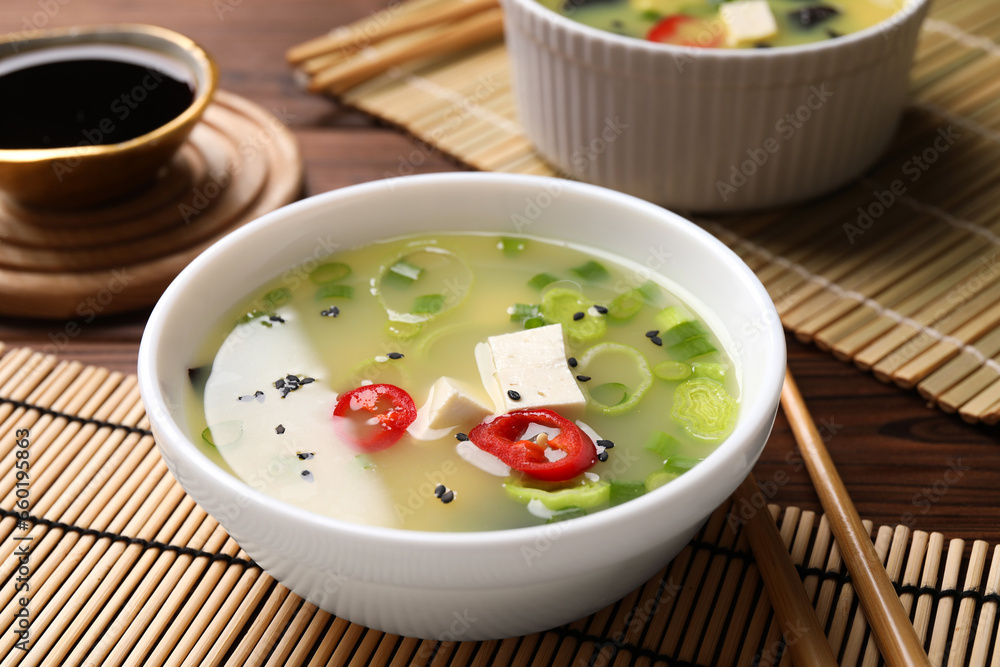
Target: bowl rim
x=201 y=63
x=168 y=429
x=887 y=26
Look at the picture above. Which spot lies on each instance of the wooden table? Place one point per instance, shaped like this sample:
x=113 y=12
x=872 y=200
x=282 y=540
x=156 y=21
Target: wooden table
x=903 y=461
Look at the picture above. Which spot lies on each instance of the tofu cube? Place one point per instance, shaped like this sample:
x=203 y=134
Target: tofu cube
x=748 y=21
x=451 y=403
x=531 y=363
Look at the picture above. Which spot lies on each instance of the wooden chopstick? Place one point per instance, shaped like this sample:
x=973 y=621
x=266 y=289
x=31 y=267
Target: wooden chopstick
x=889 y=622
x=804 y=636
x=410 y=16
x=435 y=40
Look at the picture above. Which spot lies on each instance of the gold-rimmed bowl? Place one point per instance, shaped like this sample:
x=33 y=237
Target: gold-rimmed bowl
x=89 y=173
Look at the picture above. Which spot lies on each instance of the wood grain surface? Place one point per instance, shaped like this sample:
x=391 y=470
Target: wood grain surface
x=903 y=462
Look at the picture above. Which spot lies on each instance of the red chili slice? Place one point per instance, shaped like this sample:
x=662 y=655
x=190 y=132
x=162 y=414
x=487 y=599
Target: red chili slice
x=393 y=411
x=502 y=438
x=684 y=30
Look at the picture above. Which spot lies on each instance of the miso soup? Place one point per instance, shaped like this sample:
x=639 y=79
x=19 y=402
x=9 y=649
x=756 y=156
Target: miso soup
x=412 y=383
x=733 y=24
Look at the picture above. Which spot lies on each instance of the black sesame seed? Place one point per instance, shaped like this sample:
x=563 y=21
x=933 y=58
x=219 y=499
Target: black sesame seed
x=583 y=378
x=291 y=378
x=448 y=497
x=656 y=340
x=602 y=456
x=607 y=444
x=306 y=475
x=439 y=490
x=513 y=395
x=277 y=318
x=395 y=355
x=279 y=429
x=279 y=383
x=652 y=333
x=306 y=381
x=304 y=456
x=572 y=362
x=578 y=316
x=330 y=312
x=461 y=437
x=601 y=309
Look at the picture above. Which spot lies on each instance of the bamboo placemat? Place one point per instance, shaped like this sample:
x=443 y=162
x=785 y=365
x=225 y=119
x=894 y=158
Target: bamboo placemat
x=902 y=281
x=122 y=567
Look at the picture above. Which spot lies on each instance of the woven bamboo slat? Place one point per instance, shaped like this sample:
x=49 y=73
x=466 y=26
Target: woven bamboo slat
x=127 y=570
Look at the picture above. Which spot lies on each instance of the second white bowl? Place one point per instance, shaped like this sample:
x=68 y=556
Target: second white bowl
x=708 y=129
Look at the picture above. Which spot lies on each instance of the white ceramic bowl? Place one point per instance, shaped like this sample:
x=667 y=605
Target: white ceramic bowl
x=464 y=585
x=708 y=129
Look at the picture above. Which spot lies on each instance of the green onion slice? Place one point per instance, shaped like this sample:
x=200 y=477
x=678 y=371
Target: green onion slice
x=672 y=370
x=704 y=408
x=680 y=464
x=682 y=332
x=333 y=291
x=711 y=370
x=445 y=279
x=670 y=317
x=560 y=304
x=541 y=280
x=591 y=271
x=404 y=271
x=512 y=246
x=690 y=349
x=624 y=491
x=520 y=312
x=657 y=479
x=650 y=291
x=428 y=304
x=591 y=494
x=609 y=393
x=663 y=444
x=626 y=305
x=330 y=272
x=641 y=367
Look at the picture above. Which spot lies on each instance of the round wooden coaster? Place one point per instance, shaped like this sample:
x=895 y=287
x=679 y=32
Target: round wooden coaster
x=127 y=264
x=173 y=182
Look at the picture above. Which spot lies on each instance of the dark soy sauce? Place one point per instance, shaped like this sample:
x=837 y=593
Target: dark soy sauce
x=86 y=103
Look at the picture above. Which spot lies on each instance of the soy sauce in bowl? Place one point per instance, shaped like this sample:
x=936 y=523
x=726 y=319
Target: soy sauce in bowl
x=91 y=115
x=92 y=101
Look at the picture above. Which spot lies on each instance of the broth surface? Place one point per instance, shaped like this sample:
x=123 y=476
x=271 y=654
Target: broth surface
x=332 y=342
x=798 y=21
